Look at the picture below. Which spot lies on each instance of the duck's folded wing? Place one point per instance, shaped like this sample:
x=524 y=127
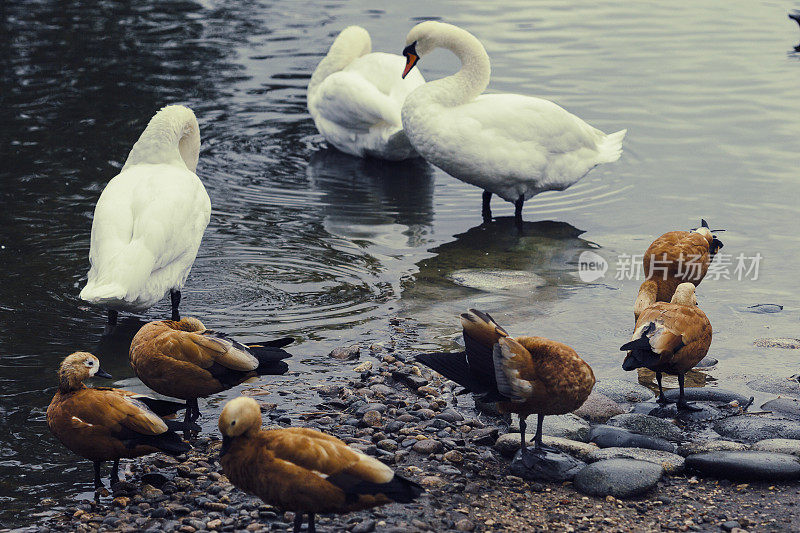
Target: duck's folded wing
x=481 y=332
x=204 y=350
x=352 y=101
x=118 y=411
x=326 y=455
x=512 y=362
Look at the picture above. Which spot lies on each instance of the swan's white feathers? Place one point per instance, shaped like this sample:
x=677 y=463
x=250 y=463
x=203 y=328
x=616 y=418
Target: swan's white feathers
x=356 y=105
x=147 y=227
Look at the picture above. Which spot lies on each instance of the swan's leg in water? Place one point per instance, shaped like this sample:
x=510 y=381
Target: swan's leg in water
x=487 y=208
x=175 y=297
x=518 y=210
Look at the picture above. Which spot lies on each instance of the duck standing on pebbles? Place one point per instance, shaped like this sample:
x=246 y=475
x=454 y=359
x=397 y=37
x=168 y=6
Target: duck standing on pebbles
x=303 y=470
x=104 y=424
x=185 y=360
x=510 y=145
x=670 y=337
x=525 y=375
x=150 y=219
x=674 y=258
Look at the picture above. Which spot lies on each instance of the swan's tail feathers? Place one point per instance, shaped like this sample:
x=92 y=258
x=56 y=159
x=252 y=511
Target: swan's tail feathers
x=610 y=147
x=105 y=294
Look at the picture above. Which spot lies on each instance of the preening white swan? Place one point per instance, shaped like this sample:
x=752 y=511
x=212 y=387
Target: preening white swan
x=511 y=145
x=355 y=98
x=149 y=219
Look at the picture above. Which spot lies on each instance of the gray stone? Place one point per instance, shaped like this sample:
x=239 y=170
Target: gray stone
x=622 y=391
x=789 y=446
x=707 y=394
x=763 y=308
x=788 y=406
x=367 y=526
x=508 y=445
x=748 y=428
x=706 y=362
x=785 y=343
x=345 y=353
x=494 y=280
x=717 y=445
x=411 y=380
x=672 y=463
x=704 y=412
x=598 y=408
x=545 y=465
x=776 y=385
x=615 y=437
x=427 y=446
x=567 y=426
x=746 y=465
x=621 y=478
x=647 y=425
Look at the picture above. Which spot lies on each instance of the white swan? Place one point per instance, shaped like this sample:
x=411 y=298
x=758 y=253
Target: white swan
x=355 y=98
x=511 y=145
x=150 y=219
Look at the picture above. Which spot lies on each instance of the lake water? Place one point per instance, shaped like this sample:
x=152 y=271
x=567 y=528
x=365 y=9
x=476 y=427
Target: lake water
x=305 y=241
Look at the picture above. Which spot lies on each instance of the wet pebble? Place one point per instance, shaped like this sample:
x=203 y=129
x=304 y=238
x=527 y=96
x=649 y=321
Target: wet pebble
x=427 y=446
x=746 y=465
x=508 y=445
x=372 y=418
x=787 y=406
x=567 y=426
x=598 y=408
x=615 y=437
x=647 y=425
x=788 y=446
x=621 y=478
x=707 y=394
x=702 y=446
x=748 y=428
x=345 y=353
x=541 y=465
x=622 y=391
x=764 y=308
x=784 y=343
x=671 y=462
x=776 y=384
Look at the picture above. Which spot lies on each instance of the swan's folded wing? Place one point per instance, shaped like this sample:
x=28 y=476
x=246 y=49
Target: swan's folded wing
x=353 y=102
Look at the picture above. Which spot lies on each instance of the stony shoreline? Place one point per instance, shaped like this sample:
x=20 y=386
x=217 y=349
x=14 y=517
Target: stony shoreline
x=413 y=421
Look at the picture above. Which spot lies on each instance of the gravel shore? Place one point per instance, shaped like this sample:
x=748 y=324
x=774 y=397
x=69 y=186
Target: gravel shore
x=412 y=420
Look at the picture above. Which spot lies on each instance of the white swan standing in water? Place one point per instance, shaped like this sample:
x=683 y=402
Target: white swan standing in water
x=355 y=98
x=149 y=219
x=511 y=145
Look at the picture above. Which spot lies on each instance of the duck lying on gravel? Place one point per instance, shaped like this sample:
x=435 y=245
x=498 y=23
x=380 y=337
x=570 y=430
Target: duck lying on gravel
x=185 y=360
x=150 y=219
x=674 y=258
x=303 y=470
x=525 y=375
x=670 y=337
x=104 y=424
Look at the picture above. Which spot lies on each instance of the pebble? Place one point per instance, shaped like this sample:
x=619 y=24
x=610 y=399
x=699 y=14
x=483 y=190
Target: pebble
x=346 y=353
x=508 y=445
x=621 y=478
x=433 y=481
x=427 y=446
x=541 y=465
x=785 y=343
x=493 y=280
x=598 y=408
x=787 y=406
x=363 y=367
x=372 y=418
x=615 y=437
x=746 y=465
x=776 y=385
x=411 y=380
x=465 y=524
x=567 y=426
x=707 y=394
x=622 y=391
x=647 y=425
x=788 y=446
x=706 y=362
x=367 y=526
x=763 y=308
x=749 y=428
x=454 y=456
x=672 y=463
x=716 y=445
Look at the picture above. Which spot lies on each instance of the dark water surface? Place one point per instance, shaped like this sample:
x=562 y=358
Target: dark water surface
x=305 y=241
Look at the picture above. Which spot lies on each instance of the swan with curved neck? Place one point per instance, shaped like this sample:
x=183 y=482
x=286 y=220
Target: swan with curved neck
x=150 y=219
x=355 y=96
x=511 y=145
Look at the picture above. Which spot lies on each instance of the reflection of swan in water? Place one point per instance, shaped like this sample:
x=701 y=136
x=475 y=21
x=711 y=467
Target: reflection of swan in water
x=361 y=194
x=498 y=260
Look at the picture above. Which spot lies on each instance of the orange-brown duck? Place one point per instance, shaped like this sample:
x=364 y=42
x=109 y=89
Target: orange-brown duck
x=303 y=470
x=674 y=258
x=183 y=359
x=525 y=375
x=105 y=424
x=670 y=337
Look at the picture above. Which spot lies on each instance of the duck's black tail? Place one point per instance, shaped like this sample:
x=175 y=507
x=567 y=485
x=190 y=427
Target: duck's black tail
x=641 y=353
x=399 y=489
x=454 y=366
x=270 y=356
x=161 y=407
x=168 y=442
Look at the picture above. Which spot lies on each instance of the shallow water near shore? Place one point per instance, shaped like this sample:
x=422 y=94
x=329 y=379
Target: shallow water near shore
x=308 y=242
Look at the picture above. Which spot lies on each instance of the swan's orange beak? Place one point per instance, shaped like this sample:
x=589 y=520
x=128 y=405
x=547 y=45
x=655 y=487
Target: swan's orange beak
x=412 y=57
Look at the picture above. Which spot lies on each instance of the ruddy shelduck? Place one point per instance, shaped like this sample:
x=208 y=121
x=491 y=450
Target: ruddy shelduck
x=526 y=375
x=183 y=359
x=674 y=258
x=670 y=337
x=303 y=470
x=105 y=424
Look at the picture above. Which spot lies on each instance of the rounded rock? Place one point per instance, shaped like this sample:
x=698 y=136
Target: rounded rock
x=621 y=478
x=746 y=465
x=647 y=425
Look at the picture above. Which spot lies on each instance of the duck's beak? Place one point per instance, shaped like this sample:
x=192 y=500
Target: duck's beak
x=102 y=374
x=412 y=57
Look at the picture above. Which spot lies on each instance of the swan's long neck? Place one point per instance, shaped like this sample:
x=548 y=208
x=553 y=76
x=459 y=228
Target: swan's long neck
x=351 y=44
x=473 y=78
x=172 y=137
